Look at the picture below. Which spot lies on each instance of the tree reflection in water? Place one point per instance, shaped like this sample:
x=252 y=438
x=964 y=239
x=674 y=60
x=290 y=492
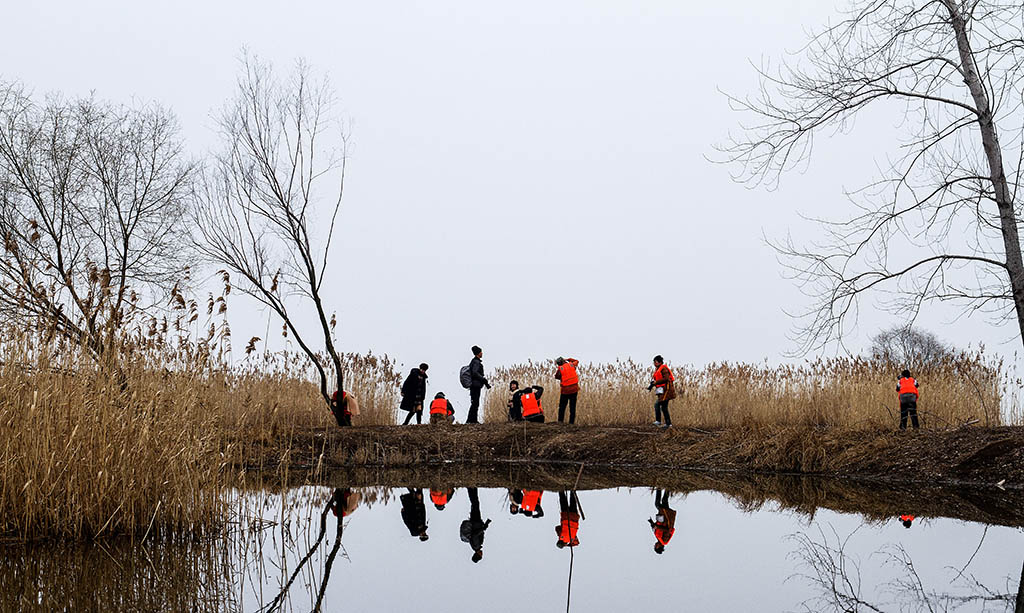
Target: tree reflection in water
x=827 y=566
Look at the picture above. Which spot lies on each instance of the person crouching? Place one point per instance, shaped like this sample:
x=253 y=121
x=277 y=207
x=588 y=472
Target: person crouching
x=441 y=410
x=527 y=401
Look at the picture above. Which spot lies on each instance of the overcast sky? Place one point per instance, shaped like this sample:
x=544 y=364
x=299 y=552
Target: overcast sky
x=530 y=177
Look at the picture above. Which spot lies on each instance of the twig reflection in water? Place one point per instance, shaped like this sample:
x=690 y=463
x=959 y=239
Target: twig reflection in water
x=837 y=575
x=342 y=504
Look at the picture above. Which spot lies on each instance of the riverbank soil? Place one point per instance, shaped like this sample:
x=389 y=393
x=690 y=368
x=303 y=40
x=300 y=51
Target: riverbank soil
x=975 y=456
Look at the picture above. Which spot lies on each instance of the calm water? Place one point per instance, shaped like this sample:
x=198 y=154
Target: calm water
x=719 y=558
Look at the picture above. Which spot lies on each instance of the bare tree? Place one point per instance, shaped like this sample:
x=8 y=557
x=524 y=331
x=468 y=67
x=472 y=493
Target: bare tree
x=92 y=200
x=909 y=347
x=271 y=199
x=941 y=223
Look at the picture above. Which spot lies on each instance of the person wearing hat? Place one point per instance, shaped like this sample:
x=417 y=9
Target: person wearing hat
x=414 y=391
x=441 y=410
x=472 y=530
x=570 y=381
x=478 y=382
x=907 y=389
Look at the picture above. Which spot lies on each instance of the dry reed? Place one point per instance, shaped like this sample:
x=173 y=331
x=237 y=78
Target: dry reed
x=145 y=447
x=824 y=392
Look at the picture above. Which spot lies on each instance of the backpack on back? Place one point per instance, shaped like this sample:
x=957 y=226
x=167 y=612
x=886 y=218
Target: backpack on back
x=466 y=377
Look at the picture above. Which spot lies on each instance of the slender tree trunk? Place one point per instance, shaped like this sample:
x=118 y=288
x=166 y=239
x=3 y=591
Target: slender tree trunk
x=994 y=155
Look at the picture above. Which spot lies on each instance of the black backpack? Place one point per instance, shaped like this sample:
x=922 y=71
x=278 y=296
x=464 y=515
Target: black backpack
x=466 y=376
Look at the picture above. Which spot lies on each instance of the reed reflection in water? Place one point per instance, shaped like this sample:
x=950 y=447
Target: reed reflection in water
x=440 y=548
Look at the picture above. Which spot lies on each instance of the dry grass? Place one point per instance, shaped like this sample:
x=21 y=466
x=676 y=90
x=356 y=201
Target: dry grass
x=145 y=448
x=826 y=392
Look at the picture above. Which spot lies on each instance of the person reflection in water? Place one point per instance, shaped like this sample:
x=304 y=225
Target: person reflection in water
x=569 y=524
x=908 y=520
x=414 y=513
x=664 y=522
x=472 y=530
x=515 y=499
x=530 y=506
x=344 y=502
x=440 y=497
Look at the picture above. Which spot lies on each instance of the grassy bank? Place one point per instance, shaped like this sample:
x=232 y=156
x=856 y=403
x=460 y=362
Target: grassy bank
x=973 y=455
x=848 y=391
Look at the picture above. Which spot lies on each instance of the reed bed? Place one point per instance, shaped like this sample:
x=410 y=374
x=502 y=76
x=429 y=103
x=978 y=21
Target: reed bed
x=144 y=448
x=850 y=391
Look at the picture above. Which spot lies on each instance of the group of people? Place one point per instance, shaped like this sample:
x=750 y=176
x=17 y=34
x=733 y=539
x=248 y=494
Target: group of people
x=524 y=402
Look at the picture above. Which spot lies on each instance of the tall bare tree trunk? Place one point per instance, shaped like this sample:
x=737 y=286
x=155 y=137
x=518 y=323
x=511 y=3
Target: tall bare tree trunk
x=994 y=155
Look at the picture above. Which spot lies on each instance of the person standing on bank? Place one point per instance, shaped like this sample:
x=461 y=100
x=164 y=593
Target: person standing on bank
x=414 y=390
x=477 y=382
x=906 y=387
x=570 y=381
x=664 y=385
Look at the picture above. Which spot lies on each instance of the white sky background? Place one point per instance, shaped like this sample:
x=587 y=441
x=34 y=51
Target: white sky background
x=529 y=176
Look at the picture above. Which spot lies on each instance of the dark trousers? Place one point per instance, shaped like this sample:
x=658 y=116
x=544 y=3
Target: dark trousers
x=568 y=503
x=537 y=419
x=570 y=400
x=908 y=404
x=474 y=405
x=661 y=406
x=419 y=416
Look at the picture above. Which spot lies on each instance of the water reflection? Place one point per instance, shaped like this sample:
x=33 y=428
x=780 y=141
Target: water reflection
x=826 y=564
x=327 y=549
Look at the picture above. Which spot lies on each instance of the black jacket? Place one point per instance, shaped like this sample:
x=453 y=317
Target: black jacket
x=476 y=371
x=414 y=390
x=517 y=401
x=414 y=512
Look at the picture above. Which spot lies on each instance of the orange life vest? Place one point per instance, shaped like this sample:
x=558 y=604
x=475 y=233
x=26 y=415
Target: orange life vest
x=906 y=518
x=531 y=498
x=663 y=375
x=437 y=497
x=569 y=376
x=663 y=533
x=439 y=406
x=568 y=529
x=531 y=404
x=908 y=385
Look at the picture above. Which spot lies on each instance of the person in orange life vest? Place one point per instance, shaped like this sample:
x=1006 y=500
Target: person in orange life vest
x=530 y=506
x=441 y=497
x=527 y=402
x=908 y=520
x=664 y=522
x=345 y=409
x=441 y=410
x=569 y=523
x=472 y=530
x=515 y=412
x=906 y=387
x=515 y=498
x=664 y=385
x=570 y=381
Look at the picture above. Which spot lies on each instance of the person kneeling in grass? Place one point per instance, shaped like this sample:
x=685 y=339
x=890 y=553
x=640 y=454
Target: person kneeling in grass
x=526 y=403
x=441 y=410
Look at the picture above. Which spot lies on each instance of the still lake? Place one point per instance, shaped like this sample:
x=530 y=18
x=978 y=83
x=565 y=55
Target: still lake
x=718 y=555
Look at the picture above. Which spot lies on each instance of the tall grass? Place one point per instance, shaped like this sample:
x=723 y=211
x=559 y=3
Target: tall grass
x=828 y=392
x=145 y=447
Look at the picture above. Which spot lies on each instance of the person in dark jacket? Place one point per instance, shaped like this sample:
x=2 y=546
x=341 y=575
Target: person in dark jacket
x=514 y=414
x=907 y=388
x=414 y=513
x=515 y=498
x=517 y=403
x=414 y=390
x=476 y=371
x=472 y=530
